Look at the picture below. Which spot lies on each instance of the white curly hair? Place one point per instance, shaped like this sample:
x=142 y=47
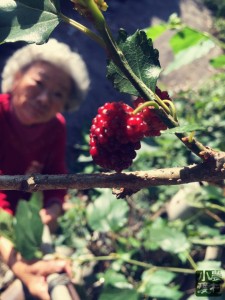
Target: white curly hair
x=56 y=53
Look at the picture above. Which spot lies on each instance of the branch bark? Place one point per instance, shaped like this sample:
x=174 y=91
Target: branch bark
x=211 y=170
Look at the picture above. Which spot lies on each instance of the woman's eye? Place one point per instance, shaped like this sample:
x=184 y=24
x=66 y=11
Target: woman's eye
x=58 y=94
x=39 y=83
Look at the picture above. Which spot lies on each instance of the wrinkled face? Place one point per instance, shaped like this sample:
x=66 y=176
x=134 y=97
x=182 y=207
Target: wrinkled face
x=39 y=92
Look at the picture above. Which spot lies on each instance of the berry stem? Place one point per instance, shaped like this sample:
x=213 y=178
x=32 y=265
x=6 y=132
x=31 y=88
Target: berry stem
x=115 y=256
x=172 y=108
x=83 y=29
x=119 y=59
x=145 y=104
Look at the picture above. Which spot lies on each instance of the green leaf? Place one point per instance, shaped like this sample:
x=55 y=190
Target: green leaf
x=188 y=55
x=158 y=277
x=142 y=59
x=111 y=293
x=28 y=229
x=107 y=213
x=185 y=128
x=168 y=239
x=156 y=31
x=6 y=225
x=27 y=20
x=115 y=279
x=154 y=284
x=218 y=62
x=159 y=291
x=186 y=38
x=36 y=200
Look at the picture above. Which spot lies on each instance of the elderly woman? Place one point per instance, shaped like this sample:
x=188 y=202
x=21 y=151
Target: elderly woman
x=38 y=83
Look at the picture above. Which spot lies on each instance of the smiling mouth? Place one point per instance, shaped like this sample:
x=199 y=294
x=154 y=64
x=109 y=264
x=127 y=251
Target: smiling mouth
x=37 y=111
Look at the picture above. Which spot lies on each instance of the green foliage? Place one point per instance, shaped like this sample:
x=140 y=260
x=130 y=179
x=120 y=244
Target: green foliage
x=160 y=235
x=156 y=31
x=111 y=293
x=187 y=43
x=139 y=253
x=185 y=38
x=218 y=62
x=37 y=19
x=156 y=284
x=185 y=128
x=142 y=58
x=107 y=213
x=6 y=225
x=185 y=53
x=28 y=222
x=162 y=243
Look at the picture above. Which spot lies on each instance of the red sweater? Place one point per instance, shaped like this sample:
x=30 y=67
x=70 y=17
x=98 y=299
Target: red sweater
x=23 y=146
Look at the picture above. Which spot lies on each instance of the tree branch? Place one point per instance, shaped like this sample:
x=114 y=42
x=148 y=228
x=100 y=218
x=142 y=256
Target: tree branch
x=211 y=170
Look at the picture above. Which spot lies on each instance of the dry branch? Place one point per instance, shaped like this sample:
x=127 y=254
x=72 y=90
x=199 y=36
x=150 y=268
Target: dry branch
x=211 y=170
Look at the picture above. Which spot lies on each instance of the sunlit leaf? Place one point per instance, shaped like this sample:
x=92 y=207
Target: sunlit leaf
x=185 y=128
x=142 y=59
x=155 y=284
x=218 y=62
x=107 y=213
x=159 y=291
x=168 y=239
x=158 y=277
x=189 y=54
x=28 y=229
x=156 y=31
x=186 y=38
x=116 y=279
x=27 y=20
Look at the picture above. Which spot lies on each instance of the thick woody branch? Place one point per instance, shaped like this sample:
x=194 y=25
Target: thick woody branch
x=212 y=170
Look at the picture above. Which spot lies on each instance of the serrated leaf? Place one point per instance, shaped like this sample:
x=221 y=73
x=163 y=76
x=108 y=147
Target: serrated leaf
x=218 y=62
x=142 y=59
x=156 y=31
x=28 y=20
x=116 y=279
x=159 y=291
x=154 y=284
x=107 y=213
x=188 y=55
x=185 y=128
x=28 y=229
x=168 y=239
x=158 y=277
x=186 y=38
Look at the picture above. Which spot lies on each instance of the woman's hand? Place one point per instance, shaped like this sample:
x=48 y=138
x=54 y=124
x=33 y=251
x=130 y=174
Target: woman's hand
x=50 y=214
x=34 y=274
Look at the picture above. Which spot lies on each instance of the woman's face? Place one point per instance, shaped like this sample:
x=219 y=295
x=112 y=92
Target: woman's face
x=40 y=92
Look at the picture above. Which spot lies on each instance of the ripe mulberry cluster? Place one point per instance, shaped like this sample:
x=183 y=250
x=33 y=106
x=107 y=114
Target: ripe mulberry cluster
x=155 y=125
x=116 y=132
x=115 y=135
